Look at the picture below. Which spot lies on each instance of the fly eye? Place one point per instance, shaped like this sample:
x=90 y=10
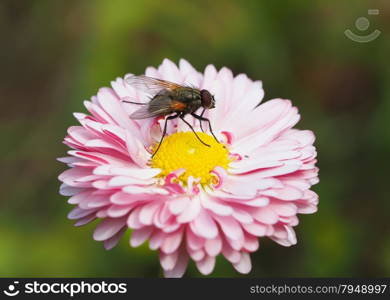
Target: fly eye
x=207 y=99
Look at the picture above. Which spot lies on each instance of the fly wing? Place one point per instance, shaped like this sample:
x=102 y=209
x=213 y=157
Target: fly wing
x=150 y=85
x=159 y=106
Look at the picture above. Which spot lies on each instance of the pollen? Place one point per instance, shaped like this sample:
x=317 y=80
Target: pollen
x=182 y=150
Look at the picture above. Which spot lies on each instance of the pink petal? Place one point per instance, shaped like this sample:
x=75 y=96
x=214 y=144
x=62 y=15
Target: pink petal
x=236 y=244
x=169 y=71
x=286 y=193
x=172 y=242
x=214 y=206
x=305 y=137
x=244 y=266
x=95 y=157
x=231 y=255
x=242 y=216
x=113 y=241
x=80 y=134
x=258 y=202
x=251 y=243
x=139 y=236
x=156 y=240
x=114 y=133
x=286 y=118
x=133 y=221
x=204 y=226
x=206 y=265
x=256 y=229
x=130 y=171
x=194 y=242
x=186 y=67
x=79 y=197
x=77 y=213
x=85 y=220
x=123 y=180
x=66 y=190
x=177 y=206
x=230 y=227
x=108 y=228
x=136 y=150
x=249 y=166
x=291 y=235
x=97 y=112
x=111 y=105
x=196 y=255
x=213 y=247
x=180 y=267
x=191 y=212
x=147 y=213
x=265 y=215
x=284 y=209
x=100 y=143
x=116 y=211
x=168 y=261
x=162 y=216
x=287 y=167
x=102 y=213
x=285 y=236
x=209 y=75
x=153 y=190
x=67 y=159
x=122 y=198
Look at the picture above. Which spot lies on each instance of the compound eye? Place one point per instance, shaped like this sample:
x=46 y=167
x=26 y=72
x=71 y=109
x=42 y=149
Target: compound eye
x=206 y=98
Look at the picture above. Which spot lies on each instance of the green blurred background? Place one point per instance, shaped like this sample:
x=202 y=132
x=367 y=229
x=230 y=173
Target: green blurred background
x=55 y=54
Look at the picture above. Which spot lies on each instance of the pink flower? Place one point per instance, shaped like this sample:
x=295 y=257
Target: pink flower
x=189 y=200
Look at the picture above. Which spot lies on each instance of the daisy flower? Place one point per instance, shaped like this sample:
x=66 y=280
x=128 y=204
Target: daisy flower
x=191 y=201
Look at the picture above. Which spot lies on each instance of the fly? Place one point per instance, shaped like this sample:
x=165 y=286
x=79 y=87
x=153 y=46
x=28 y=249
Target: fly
x=172 y=100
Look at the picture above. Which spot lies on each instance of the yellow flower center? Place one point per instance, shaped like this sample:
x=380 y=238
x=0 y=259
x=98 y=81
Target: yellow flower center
x=182 y=150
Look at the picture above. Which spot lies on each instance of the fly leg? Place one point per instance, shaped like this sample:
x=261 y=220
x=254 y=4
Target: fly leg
x=200 y=118
x=200 y=121
x=132 y=102
x=165 y=131
x=189 y=125
x=138 y=103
